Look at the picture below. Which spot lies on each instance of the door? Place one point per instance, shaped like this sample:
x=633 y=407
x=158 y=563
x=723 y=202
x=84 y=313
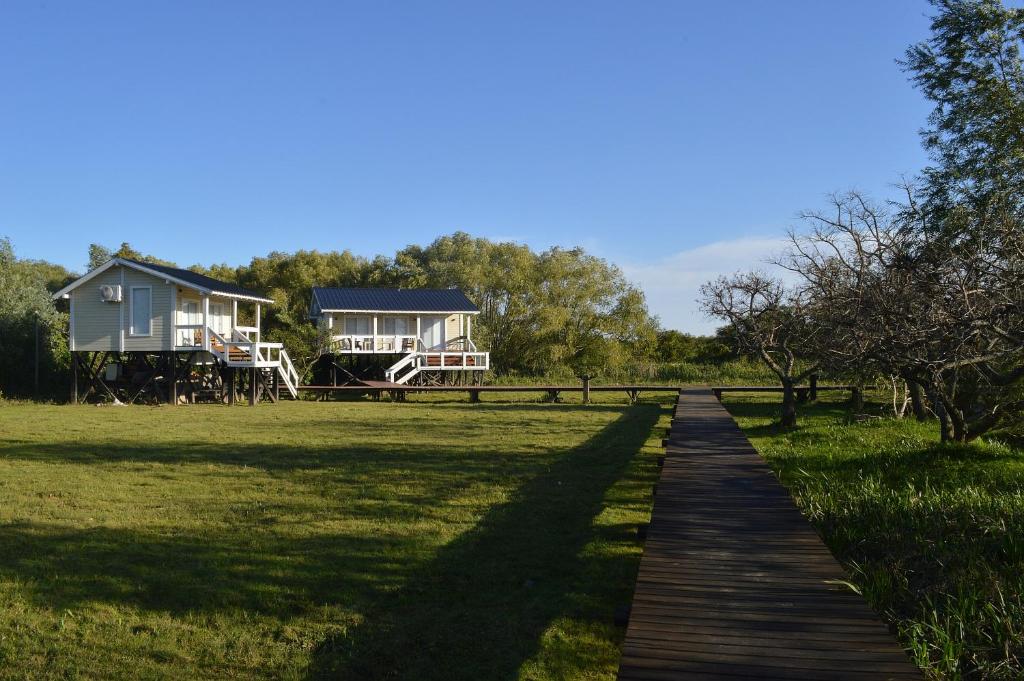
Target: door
x=432 y=333
x=220 y=319
x=188 y=314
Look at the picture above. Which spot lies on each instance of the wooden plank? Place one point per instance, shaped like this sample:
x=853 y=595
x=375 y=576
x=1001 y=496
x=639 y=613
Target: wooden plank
x=369 y=385
x=734 y=583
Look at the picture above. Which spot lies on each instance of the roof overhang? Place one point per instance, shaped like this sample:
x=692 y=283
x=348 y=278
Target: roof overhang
x=367 y=311
x=154 y=273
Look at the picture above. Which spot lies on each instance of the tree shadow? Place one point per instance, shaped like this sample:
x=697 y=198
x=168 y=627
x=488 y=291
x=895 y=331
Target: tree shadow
x=501 y=583
x=478 y=609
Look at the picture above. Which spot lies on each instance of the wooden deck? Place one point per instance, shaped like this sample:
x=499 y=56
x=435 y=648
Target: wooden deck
x=734 y=583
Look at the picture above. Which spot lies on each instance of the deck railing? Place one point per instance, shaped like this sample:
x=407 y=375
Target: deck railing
x=382 y=344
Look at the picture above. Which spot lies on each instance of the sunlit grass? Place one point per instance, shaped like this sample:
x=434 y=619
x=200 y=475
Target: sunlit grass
x=431 y=539
x=933 y=535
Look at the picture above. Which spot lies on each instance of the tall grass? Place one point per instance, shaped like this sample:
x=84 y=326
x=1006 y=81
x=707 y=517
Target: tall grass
x=732 y=372
x=932 y=535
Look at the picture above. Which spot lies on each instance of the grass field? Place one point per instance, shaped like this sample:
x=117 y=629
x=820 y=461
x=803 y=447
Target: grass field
x=933 y=535
x=426 y=540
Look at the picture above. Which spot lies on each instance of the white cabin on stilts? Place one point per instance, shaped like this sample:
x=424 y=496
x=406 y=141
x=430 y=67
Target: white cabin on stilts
x=415 y=335
x=144 y=331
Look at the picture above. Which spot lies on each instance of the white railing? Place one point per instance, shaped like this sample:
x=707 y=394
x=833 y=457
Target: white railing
x=437 y=361
x=247 y=333
x=288 y=373
x=409 y=360
x=188 y=335
x=456 y=361
x=370 y=344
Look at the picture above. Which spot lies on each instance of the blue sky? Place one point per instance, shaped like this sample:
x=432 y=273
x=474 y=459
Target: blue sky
x=677 y=139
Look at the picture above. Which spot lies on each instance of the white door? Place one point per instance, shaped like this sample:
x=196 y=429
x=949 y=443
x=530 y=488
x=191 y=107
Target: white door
x=220 y=319
x=189 y=315
x=432 y=333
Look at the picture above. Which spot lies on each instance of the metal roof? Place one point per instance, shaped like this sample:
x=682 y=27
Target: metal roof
x=391 y=300
x=201 y=281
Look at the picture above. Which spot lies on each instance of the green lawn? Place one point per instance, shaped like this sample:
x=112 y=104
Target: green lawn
x=424 y=540
x=933 y=535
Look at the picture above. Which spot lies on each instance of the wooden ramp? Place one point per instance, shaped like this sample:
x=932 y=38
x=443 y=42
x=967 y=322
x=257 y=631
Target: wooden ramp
x=734 y=583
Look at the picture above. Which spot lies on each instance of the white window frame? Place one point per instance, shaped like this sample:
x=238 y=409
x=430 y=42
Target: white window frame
x=131 y=312
x=355 y=322
x=394 y=319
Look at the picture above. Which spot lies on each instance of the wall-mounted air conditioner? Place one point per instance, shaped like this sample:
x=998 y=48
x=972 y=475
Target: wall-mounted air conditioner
x=110 y=293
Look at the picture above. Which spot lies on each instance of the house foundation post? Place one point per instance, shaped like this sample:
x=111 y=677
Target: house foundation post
x=74 y=378
x=172 y=371
x=232 y=388
x=253 y=387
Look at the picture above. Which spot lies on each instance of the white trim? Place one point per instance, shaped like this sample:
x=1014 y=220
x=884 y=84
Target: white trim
x=395 y=317
x=370 y=326
x=155 y=273
x=131 y=312
x=206 y=322
x=81 y=280
x=71 y=323
x=120 y=312
x=173 y=333
x=406 y=312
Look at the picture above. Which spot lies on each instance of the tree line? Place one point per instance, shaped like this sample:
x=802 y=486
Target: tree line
x=928 y=289
x=558 y=310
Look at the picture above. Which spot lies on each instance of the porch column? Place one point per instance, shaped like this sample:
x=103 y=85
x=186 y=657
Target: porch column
x=469 y=326
x=416 y=345
x=257 y=339
x=375 y=333
x=206 y=322
x=234 y=315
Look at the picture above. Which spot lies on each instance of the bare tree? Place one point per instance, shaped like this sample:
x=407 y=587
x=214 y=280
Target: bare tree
x=939 y=306
x=769 y=322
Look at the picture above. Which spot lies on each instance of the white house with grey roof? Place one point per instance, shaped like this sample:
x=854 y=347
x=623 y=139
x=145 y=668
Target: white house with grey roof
x=424 y=331
x=139 y=309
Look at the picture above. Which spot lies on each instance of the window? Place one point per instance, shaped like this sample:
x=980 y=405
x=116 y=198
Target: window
x=396 y=326
x=141 y=311
x=357 y=326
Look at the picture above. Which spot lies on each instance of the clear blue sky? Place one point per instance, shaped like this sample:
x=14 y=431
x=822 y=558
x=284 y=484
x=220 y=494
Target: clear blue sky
x=212 y=132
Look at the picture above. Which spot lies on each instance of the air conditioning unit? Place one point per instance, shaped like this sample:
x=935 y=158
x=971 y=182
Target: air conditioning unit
x=110 y=293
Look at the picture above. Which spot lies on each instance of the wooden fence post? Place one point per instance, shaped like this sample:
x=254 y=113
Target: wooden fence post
x=813 y=381
x=586 y=389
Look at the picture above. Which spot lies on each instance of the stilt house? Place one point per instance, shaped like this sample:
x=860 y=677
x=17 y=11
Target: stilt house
x=144 y=331
x=412 y=335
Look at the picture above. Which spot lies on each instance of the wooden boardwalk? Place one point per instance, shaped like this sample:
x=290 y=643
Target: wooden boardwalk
x=734 y=583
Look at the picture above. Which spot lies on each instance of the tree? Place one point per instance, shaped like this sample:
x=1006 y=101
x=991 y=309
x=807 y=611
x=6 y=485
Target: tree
x=769 y=322
x=538 y=311
x=99 y=254
x=941 y=311
x=25 y=309
x=971 y=69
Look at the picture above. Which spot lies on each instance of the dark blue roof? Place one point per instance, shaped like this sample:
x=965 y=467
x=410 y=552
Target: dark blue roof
x=201 y=280
x=391 y=300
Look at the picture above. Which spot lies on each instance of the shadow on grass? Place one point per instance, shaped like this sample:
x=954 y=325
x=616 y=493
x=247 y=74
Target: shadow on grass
x=478 y=609
x=474 y=609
